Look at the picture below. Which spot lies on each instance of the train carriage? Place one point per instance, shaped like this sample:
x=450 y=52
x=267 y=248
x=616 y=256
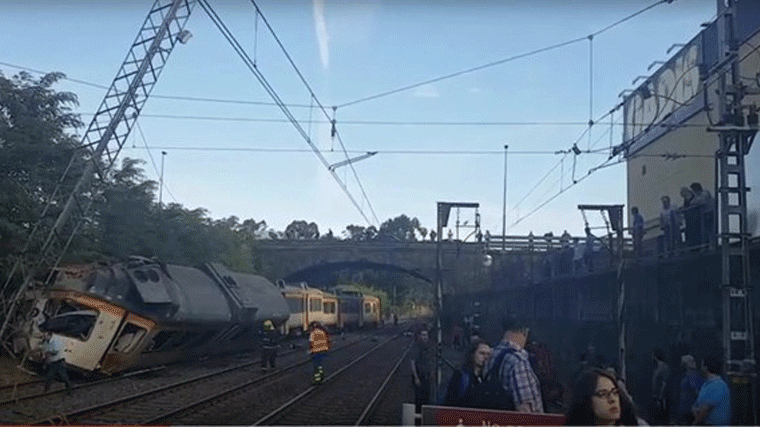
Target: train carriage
x=141 y=313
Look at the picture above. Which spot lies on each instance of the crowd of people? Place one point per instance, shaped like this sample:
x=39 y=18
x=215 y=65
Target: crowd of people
x=517 y=375
x=692 y=225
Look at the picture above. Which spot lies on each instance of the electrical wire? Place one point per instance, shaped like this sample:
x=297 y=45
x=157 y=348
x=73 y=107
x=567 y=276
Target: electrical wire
x=501 y=61
x=273 y=94
x=405 y=152
x=321 y=107
x=152 y=160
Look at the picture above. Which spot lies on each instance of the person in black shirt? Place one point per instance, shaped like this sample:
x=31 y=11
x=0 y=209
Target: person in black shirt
x=464 y=381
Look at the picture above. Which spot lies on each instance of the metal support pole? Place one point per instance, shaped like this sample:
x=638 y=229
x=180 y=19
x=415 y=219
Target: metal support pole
x=161 y=186
x=504 y=206
x=438 y=298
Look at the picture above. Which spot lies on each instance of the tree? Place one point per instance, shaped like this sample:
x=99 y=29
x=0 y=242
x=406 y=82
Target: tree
x=127 y=212
x=358 y=233
x=301 y=230
x=401 y=228
x=35 y=147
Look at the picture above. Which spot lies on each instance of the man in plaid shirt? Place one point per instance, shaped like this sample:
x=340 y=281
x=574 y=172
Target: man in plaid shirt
x=515 y=371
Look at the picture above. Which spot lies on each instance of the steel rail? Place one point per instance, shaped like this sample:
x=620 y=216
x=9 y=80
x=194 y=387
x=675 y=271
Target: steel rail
x=13 y=400
x=311 y=389
x=381 y=390
x=73 y=415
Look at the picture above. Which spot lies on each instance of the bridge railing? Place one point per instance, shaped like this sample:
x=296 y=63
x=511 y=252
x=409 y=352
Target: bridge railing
x=549 y=243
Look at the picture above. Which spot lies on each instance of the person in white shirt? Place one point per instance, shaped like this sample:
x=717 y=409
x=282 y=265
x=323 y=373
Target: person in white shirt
x=55 y=361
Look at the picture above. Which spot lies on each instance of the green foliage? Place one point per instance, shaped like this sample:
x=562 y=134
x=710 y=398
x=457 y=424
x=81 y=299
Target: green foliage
x=35 y=147
x=301 y=230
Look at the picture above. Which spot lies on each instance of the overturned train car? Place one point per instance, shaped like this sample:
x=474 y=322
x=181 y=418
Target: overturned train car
x=143 y=313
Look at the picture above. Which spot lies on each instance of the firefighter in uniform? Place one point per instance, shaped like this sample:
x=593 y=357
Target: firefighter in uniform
x=269 y=343
x=319 y=344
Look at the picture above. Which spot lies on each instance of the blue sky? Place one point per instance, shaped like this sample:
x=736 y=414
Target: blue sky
x=221 y=158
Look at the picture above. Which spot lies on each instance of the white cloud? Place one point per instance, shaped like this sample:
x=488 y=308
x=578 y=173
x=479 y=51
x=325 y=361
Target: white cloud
x=323 y=38
x=426 y=91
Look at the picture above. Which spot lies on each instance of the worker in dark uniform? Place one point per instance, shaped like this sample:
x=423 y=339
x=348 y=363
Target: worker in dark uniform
x=319 y=344
x=270 y=340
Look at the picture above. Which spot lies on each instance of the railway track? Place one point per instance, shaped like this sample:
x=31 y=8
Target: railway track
x=349 y=396
x=171 y=397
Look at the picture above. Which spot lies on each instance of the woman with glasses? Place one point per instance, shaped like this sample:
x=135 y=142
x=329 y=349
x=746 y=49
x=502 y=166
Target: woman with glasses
x=598 y=401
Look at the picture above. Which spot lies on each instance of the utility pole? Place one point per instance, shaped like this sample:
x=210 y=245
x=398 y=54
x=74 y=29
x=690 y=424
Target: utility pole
x=504 y=205
x=735 y=136
x=161 y=185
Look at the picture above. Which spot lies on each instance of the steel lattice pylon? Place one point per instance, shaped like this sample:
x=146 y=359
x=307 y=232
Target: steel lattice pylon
x=102 y=143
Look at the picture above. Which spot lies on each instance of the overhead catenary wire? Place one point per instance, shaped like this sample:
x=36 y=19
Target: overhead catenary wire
x=152 y=160
x=502 y=61
x=321 y=107
x=273 y=94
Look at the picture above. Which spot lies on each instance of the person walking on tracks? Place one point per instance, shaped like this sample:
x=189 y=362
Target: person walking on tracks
x=55 y=362
x=510 y=361
x=319 y=344
x=269 y=343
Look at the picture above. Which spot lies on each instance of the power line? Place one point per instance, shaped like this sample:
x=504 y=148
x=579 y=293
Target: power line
x=152 y=160
x=273 y=94
x=501 y=61
x=412 y=152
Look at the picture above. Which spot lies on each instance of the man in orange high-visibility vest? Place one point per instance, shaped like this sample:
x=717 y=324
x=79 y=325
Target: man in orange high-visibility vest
x=319 y=344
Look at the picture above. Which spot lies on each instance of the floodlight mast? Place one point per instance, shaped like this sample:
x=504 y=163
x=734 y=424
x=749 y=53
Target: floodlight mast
x=103 y=141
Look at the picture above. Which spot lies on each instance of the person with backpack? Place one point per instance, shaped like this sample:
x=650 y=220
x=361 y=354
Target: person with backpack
x=465 y=382
x=510 y=368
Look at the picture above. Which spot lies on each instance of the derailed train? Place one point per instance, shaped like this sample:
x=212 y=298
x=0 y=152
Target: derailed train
x=143 y=313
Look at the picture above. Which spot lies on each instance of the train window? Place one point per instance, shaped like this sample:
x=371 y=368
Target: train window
x=74 y=324
x=315 y=304
x=367 y=307
x=230 y=281
x=329 y=307
x=140 y=275
x=130 y=336
x=158 y=341
x=153 y=276
x=295 y=305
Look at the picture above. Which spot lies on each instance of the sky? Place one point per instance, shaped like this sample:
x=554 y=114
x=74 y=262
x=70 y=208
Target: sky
x=441 y=141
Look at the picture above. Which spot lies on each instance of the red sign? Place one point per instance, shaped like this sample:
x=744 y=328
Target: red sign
x=450 y=416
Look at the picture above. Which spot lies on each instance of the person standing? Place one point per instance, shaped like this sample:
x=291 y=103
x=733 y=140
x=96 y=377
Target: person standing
x=704 y=204
x=269 y=343
x=516 y=374
x=319 y=345
x=713 y=404
x=464 y=382
x=692 y=222
x=55 y=362
x=659 y=405
x=689 y=388
x=637 y=231
x=670 y=226
x=422 y=364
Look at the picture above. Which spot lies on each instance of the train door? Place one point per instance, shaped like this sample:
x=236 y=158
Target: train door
x=87 y=327
x=129 y=340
